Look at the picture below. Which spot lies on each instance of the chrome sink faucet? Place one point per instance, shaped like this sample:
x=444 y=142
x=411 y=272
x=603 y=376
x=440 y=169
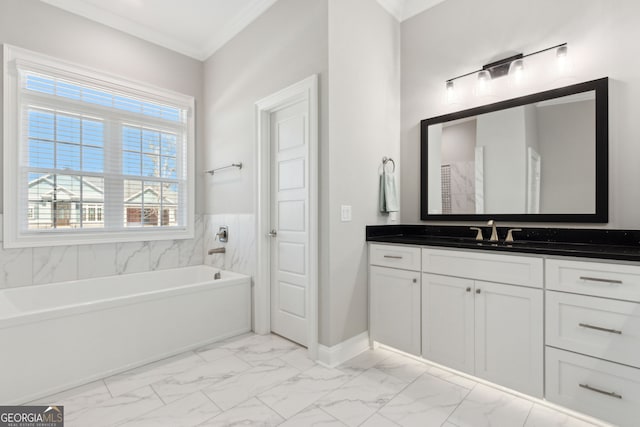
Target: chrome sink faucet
x=494 y=231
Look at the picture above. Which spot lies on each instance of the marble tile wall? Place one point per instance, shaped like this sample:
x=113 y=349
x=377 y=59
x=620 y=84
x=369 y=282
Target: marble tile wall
x=240 y=253
x=35 y=266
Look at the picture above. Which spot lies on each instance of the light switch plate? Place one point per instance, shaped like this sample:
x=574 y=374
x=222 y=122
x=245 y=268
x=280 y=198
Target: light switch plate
x=345 y=213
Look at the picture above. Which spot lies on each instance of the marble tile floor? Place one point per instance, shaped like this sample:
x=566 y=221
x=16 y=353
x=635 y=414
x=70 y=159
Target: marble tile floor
x=265 y=380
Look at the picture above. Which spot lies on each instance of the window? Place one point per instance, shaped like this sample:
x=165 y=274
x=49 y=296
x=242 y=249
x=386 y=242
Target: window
x=93 y=158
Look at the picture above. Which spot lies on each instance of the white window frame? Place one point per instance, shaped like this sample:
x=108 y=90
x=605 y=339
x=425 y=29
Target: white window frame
x=14 y=237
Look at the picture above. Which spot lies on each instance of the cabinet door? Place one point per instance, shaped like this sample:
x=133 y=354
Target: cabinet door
x=395 y=308
x=447 y=321
x=509 y=336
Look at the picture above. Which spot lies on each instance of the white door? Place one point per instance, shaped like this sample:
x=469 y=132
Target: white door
x=290 y=221
x=509 y=336
x=395 y=308
x=447 y=321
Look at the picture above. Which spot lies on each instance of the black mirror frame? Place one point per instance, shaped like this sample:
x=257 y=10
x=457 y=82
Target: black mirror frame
x=601 y=215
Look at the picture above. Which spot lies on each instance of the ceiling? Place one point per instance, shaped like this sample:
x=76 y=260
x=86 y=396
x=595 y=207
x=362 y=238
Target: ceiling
x=196 y=28
x=405 y=9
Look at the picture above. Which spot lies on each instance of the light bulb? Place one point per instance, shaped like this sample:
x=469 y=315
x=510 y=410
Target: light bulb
x=562 y=55
x=516 y=71
x=451 y=92
x=484 y=83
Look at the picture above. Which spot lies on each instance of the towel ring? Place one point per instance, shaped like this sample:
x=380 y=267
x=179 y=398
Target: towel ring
x=386 y=160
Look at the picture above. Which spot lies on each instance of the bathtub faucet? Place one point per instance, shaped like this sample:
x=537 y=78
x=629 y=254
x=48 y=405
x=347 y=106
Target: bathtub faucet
x=217 y=250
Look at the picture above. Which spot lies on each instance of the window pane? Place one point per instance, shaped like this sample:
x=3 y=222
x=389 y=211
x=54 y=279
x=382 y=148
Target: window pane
x=150 y=165
x=131 y=163
x=68 y=90
x=97 y=97
x=40 y=84
x=67 y=128
x=168 y=144
x=56 y=201
x=150 y=141
x=168 y=168
x=92 y=133
x=40 y=198
x=67 y=156
x=127 y=104
x=169 y=113
x=131 y=138
x=41 y=125
x=133 y=203
x=92 y=159
x=40 y=154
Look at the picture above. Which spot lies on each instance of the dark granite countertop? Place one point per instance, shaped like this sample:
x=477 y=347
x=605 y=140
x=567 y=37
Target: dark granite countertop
x=587 y=243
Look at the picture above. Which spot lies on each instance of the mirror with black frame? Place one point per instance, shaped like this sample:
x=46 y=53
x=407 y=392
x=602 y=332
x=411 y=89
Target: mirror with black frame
x=537 y=158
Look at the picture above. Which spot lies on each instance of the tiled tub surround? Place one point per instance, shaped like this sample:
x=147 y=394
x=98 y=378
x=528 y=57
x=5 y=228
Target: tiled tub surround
x=267 y=381
x=63 y=334
x=36 y=266
x=240 y=253
x=590 y=281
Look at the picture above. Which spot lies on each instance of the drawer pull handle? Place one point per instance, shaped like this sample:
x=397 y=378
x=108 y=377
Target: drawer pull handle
x=597 y=279
x=393 y=256
x=598 y=328
x=597 y=390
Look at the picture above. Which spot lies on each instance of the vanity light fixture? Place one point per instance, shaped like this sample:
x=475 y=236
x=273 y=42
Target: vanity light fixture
x=513 y=66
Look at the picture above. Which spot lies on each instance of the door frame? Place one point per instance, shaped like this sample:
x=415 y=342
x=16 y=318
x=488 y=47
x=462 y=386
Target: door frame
x=306 y=89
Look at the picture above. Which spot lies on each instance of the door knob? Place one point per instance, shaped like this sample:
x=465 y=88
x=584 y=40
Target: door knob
x=478 y=291
x=272 y=233
x=468 y=288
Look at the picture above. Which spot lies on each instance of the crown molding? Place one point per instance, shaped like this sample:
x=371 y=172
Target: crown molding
x=394 y=7
x=235 y=26
x=200 y=51
x=405 y=9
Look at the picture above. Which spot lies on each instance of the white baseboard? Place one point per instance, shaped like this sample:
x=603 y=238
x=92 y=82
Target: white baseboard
x=339 y=353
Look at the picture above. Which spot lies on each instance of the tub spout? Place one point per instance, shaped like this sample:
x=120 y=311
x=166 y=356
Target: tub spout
x=220 y=250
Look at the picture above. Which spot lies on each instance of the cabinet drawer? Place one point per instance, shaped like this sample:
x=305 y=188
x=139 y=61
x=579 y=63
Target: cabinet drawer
x=619 y=281
x=405 y=257
x=513 y=269
x=596 y=387
x=598 y=327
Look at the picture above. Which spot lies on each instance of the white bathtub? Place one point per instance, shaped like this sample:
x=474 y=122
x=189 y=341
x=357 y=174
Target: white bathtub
x=60 y=335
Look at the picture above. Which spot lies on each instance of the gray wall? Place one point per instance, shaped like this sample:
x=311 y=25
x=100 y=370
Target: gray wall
x=459 y=142
x=458 y=36
x=502 y=134
x=567 y=153
x=283 y=46
x=364 y=114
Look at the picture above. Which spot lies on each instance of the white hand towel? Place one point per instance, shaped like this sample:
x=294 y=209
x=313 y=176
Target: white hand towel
x=388 y=194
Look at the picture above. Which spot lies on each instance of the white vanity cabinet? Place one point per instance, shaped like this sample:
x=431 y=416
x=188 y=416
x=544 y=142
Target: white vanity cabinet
x=516 y=320
x=491 y=329
x=394 y=285
x=593 y=338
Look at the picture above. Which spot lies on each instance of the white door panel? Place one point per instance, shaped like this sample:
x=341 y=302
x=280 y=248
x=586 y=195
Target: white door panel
x=290 y=219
